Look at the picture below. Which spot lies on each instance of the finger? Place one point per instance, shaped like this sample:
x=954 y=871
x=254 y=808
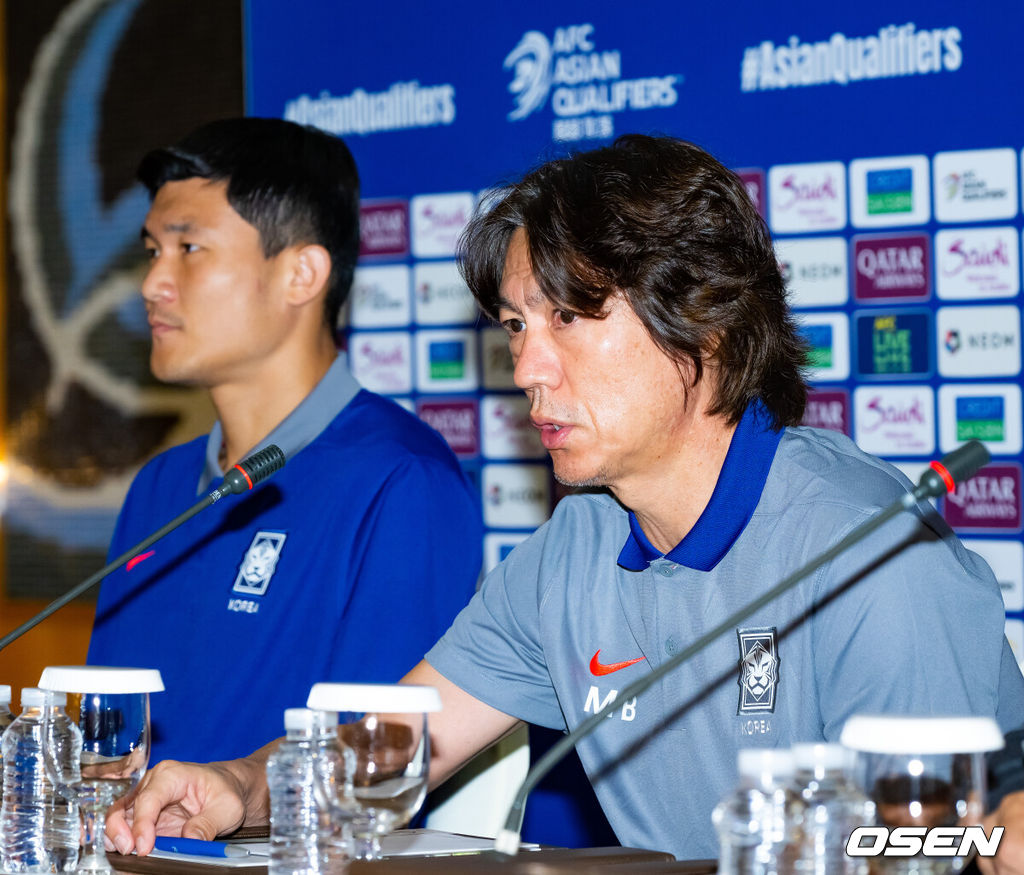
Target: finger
x=118 y=832
x=199 y=827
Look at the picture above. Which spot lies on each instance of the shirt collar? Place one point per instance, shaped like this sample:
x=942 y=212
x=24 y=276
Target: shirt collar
x=299 y=428
x=732 y=503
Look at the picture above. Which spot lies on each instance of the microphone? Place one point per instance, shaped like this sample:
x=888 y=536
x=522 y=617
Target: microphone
x=942 y=477
x=240 y=478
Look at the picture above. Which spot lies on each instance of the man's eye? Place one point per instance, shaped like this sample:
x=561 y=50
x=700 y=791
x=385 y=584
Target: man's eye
x=566 y=317
x=189 y=247
x=513 y=326
x=151 y=252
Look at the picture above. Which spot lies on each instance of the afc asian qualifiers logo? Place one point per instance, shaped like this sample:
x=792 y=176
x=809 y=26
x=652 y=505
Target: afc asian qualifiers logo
x=259 y=563
x=759 y=670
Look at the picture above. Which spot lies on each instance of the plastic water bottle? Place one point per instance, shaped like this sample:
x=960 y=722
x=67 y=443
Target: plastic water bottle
x=759 y=824
x=835 y=806
x=302 y=839
x=39 y=829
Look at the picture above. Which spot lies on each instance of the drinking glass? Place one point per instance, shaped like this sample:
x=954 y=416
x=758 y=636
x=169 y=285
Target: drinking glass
x=923 y=772
x=385 y=755
x=107 y=753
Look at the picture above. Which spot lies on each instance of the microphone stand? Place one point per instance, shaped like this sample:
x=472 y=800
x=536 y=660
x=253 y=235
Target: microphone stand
x=958 y=466
x=240 y=478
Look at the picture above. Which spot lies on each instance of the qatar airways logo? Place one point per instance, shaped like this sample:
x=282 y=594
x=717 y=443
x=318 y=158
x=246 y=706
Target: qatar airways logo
x=989 y=501
x=829 y=410
x=895 y=420
x=892 y=267
x=977 y=263
x=457 y=422
x=383 y=228
x=807 y=197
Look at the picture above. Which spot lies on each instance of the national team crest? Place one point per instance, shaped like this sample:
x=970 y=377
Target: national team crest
x=759 y=670
x=259 y=563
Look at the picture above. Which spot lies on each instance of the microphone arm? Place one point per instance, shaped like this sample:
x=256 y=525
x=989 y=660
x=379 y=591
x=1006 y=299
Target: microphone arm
x=942 y=477
x=240 y=478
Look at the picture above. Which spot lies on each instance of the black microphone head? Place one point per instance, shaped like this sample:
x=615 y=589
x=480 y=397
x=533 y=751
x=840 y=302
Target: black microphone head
x=960 y=465
x=255 y=469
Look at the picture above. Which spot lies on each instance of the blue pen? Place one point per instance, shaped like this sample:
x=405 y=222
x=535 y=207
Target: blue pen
x=199 y=847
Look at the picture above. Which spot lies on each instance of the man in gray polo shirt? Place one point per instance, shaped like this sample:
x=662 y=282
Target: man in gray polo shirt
x=649 y=327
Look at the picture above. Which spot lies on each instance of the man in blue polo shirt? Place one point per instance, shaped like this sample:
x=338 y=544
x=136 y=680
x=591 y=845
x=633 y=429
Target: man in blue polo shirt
x=649 y=327
x=353 y=558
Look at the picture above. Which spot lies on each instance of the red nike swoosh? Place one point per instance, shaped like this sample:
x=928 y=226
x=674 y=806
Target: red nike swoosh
x=597 y=668
x=135 y=560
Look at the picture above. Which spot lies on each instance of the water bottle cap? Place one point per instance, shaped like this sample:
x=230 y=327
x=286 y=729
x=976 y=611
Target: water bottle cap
x=753 y=762
x=820 y=756
x=921 y=735
x=101 y=679
x=374 y=698
x=5 y=694
x=308 y=720
x=33 y=697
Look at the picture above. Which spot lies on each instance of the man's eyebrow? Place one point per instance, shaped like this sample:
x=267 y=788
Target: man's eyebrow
x=505 y=304
x=171 y=228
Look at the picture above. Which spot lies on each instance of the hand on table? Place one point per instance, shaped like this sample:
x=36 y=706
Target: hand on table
x=186 y=799
x=1010 y=858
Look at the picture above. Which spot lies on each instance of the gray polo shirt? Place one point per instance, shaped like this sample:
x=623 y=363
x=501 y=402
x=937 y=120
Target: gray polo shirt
x=908 y=622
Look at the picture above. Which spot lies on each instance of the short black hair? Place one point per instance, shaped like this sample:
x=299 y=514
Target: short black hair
x=293 y=183
x=663 y=223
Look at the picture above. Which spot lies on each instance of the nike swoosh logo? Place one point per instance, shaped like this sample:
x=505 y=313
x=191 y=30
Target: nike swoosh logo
x=135 y=560
x=598 y=668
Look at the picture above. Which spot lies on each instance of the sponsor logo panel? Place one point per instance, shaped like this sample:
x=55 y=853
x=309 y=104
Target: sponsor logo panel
x=458 y=422
x=437 y=222
x=507 y=430
x=496 y=358
x=975 y=263
x=753 y=182
x=829 y=409
x=380 y=297
x=497 y=546
x=516 y=496
x=442 y=298
x=891 y=267
x=894 y=420
x=988 y=412
x=382 y=361
x=807 y=197
x=889 y=191
x=814 y=271
x=446 y=360
x=975 y=185
x=894 y=344
x=989 y=501
x=828 y=341
x=978 y=341
x=1006 y=559
x=383 y=229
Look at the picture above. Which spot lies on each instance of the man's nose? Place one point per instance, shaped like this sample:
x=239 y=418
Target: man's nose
x=159 y=283
x=537 y=362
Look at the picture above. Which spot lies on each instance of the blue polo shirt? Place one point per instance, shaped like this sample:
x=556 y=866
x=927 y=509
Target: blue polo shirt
x=909 y=623
x=346 y=565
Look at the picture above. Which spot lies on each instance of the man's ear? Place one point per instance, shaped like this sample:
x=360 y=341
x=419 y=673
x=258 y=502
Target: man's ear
x=308 y=271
